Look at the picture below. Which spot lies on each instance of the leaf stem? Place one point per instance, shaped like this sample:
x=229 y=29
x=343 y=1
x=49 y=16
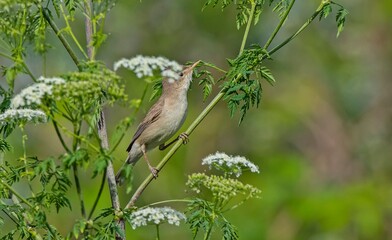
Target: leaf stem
x=157 y=227
x=208 y=233
x=16 y=194
x=26 y=68
x=70 y=32
x=56 y=128
x=282 y=20
x=305 y=25
x=98 y=196
x=61 y=38
x=170 y=201
x=250 y=20
x=79 y=190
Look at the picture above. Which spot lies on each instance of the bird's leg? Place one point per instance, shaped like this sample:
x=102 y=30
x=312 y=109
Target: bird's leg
x=183 y=136
x=153 y=170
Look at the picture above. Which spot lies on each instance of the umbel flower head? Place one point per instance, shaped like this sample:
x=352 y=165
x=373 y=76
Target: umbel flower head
x=22 y=116
x=229 y=164
x=150 y=215
x=33 y=95
x=144 y=66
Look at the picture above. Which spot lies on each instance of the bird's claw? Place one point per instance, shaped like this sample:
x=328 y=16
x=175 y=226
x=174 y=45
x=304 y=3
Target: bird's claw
x=184 y=137
x=154 y=172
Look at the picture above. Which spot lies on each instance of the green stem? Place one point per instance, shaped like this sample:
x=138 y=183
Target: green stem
x=213 y=66
x=70 y=32
x=6 y=56
x=24 y=138
x=75 y=147
x=250 y=20
x=29 y=72
x=56 y=128
x=26 y=68
x=157 y=227
x=170 y=201
x=79 y=190
x=305 y=25
x=16 y=194
x=98 y=196
x=61 y=38
x=78 y=137
x=11 y=217
x=282 y=20
x=208 y=233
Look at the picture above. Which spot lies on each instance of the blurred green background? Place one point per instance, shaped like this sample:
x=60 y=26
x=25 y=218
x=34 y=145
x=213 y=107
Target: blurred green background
x=322 y=135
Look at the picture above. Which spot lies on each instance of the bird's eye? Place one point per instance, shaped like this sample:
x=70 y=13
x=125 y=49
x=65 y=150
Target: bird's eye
x=181 y=74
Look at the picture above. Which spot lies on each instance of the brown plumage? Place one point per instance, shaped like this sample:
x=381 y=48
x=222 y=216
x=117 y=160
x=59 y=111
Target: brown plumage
x=162 y=121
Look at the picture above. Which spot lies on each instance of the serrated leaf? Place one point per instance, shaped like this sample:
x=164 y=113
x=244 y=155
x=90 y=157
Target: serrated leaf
x=341 y=19
x=325 y=11
x=267 y=75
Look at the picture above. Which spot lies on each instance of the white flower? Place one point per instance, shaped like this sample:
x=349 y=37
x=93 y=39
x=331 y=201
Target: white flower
x=147 y=215
x=51 y=81
x=33 y=94
x=230 y=164
x=22 y=115
x=144 y=66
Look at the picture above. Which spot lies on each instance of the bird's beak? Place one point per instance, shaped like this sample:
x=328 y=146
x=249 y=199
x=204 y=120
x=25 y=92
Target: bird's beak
x=195 y=64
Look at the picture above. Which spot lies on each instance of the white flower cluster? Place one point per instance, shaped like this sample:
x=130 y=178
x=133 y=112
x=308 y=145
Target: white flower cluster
x=144 y=66
x=33 y=94
x=51 y=81
x=22 y=115
x=156 y=216
x=234 y=164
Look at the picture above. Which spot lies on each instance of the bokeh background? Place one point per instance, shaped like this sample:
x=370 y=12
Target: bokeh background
x=321 y=136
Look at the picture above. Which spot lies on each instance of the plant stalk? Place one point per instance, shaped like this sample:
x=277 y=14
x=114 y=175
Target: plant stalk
x=282 y=20
x=61 y=38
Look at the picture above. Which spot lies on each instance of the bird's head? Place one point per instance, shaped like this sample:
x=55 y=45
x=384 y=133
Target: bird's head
x=180 y=81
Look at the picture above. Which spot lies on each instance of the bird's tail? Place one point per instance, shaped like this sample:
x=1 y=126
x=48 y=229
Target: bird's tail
x=125 y=171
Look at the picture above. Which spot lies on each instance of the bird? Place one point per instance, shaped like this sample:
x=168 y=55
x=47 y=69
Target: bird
x=161 y=122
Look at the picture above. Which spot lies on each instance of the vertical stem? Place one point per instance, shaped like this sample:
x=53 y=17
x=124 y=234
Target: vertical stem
x=102 y=127
x=90 y=215
x=208 y=233
x=157 y=227
x=89 y=30
x=75 y=147
x=250 y=20
x=79 y=190
x=110 y=173
x=24 y=138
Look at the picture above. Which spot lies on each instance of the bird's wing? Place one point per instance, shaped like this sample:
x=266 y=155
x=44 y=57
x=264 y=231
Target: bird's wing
x=151 y=117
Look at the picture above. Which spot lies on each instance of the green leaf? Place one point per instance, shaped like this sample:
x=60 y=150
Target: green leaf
x=4 y=146
x=100 y=164
x=280 y=7
x=325 y=11
x=267 y=75
x=341 y=19
x=230 y=232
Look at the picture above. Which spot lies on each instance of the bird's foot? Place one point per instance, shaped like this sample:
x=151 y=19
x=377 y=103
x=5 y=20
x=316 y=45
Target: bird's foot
x=184 y=137
x=154 y=171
